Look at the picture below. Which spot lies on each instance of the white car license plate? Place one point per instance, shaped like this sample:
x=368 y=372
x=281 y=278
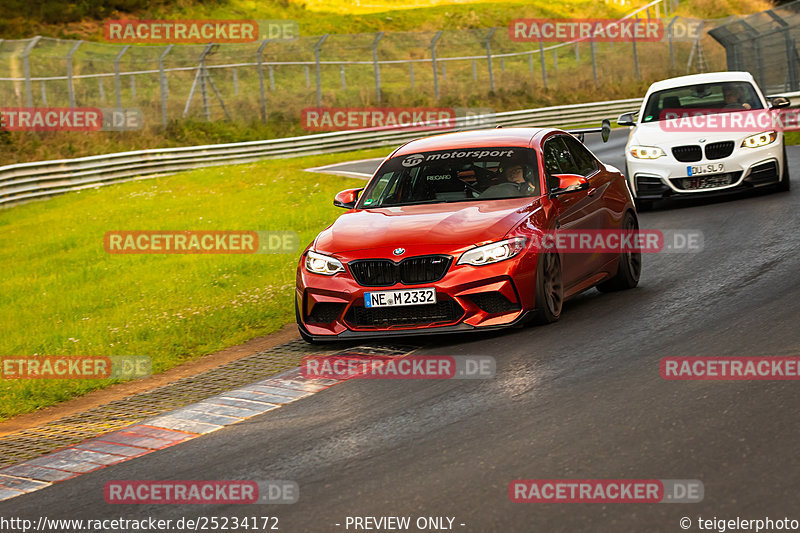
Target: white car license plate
x=400 y=297
x=710 y=168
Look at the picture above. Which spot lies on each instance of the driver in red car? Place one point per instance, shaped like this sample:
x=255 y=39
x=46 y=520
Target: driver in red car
x=514 y=184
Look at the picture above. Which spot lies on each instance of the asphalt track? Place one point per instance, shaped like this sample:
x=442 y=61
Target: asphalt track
x=581 y=398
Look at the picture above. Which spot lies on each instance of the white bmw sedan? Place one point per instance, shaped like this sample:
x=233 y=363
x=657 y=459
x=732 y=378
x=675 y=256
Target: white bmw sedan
x=702 y=135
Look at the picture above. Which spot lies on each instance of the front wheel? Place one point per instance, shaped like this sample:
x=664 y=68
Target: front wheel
x=549 y=289
x=630 y=263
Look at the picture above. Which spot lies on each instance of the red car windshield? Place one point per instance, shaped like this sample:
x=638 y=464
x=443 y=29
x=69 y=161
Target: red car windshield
x=459 y=175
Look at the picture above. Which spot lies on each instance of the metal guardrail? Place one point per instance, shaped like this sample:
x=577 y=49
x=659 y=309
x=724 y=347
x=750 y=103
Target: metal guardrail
x=27 y=181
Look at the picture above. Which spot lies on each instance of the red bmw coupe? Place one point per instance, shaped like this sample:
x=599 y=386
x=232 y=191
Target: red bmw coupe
x=441 y=240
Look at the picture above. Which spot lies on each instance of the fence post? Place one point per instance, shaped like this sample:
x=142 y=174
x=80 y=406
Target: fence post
x=544 y=69
x=235 y=83
x=669 y=37
x=27 y=67
x=341 y=75
x=488 y=44
x=530 y=61
x=117 y=87
x=162 y=82
x=433 y=61
x=555 y=59
x=376 y=66
x=102 y=90
x=44 y=93
x=308 y=76
x=133 y=87
x=271 y=78
x=203 y=74
x=411 y=73
x=262 y=96
x=474 y=71
x=594 y=59
x=636 y=59
x=577 y=53
x=70 y=82
x=317 y=49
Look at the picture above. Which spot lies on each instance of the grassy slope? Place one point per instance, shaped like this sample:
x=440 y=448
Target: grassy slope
x=62 y=294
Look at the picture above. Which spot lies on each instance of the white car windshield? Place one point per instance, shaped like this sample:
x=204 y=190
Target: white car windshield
x=717 y=97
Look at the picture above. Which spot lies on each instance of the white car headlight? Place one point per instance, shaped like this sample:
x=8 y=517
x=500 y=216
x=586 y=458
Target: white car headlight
x=493 y=253
x=760 y=139
x=323 y=264
x=647 y=152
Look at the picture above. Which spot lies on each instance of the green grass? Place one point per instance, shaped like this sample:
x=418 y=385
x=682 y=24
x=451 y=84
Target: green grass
x=62 y=294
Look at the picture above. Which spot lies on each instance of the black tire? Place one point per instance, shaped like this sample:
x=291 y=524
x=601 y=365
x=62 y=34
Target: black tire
x=549 y=289
x=305 y=336
x=785 y=185
x=630 y=263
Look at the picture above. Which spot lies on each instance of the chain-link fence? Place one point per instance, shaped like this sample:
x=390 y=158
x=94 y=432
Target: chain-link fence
x=247 y=82
x=765 y=44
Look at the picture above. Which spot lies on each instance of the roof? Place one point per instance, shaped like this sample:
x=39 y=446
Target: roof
x=694 y=79
x=471 y=139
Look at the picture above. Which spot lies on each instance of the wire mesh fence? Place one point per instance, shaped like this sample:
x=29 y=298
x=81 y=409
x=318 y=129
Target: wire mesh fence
x=252 y=81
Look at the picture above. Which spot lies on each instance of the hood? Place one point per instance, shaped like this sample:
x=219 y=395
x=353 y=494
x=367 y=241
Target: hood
x=652 y=134
x=458 y=223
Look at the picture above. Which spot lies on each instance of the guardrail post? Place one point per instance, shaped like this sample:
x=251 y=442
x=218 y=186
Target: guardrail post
x=262 y=95
x=317 y=49
x=544 y=69
x=164 y=88
x=488 y=44
x=70 y=82
x=433 y=62
x=376 y=66
x=117 y=87
x=27 y=67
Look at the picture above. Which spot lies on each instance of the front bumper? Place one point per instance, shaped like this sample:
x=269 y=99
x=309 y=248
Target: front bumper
x=667 y=177
x=468 y=298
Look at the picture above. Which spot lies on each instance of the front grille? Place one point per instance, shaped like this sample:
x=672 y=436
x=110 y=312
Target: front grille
x=688 y=153
x=410 y=271
x=444 y=311
x=493 y=302
x=719 y=150
x=325 y=312
x=763 y=173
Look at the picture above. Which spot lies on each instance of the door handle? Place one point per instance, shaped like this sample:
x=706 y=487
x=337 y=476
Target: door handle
x=592 y=191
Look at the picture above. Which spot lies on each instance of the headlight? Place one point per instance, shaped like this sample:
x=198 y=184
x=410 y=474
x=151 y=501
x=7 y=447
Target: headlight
x=647 y=152
x=493 y=253
x=323 y=264
x=760 y=139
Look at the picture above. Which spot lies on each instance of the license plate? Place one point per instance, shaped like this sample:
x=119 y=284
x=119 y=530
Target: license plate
x=710 y=168
x=708 y=182
x=400 y=297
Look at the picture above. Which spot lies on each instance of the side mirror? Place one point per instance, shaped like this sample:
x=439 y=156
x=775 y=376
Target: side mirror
x=569 y=183
x=347 y=198
x=605 y=130
x=626 y=119
x=778 y=102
